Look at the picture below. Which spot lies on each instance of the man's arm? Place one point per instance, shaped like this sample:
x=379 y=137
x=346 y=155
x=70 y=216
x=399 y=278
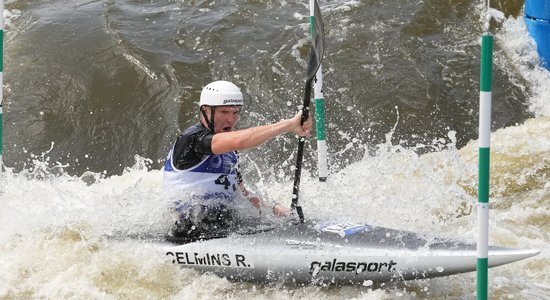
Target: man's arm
x=255 y=136
x=190 y=147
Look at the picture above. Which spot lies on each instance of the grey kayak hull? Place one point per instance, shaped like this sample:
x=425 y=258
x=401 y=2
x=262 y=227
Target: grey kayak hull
x=334 y=253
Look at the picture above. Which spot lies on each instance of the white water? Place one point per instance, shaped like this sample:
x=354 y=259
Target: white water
x=53 y=241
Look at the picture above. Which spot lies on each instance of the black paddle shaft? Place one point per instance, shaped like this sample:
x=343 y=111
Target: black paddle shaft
x=300 y=155
x=315 y=58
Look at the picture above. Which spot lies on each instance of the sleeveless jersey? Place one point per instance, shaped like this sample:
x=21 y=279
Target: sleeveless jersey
x=215 y=177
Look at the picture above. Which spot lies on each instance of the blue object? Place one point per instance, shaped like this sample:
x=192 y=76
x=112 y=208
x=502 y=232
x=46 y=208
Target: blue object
x=537 y=19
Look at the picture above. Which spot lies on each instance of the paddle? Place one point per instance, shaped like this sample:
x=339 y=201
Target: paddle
x=315 y=58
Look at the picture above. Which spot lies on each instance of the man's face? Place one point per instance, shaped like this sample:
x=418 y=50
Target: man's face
x=225 y=117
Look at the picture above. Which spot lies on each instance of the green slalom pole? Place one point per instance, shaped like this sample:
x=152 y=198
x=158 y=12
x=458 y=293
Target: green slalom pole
x=1 y=75
x=319 y=109
x=484 y=159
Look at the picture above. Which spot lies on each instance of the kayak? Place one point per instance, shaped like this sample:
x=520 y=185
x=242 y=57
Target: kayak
x=334 y=253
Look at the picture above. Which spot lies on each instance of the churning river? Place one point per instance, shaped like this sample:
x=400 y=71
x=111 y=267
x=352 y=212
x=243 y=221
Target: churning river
x=95 y=91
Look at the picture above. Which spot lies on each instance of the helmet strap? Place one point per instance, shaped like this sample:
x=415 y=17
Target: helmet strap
x=209 y=122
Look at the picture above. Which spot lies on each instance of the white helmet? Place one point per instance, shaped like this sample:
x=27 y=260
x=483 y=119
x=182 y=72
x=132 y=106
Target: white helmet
x=220 y=93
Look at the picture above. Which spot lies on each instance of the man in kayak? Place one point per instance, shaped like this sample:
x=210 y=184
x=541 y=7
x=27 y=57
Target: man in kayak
x=202 y=165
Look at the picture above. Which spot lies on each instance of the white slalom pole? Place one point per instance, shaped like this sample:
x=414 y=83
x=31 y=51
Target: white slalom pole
x=319 y=110
x=485 y=99
x=484 y=159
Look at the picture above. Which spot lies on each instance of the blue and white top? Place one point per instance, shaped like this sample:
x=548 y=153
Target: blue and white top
x=194 y=172
x=215 y=177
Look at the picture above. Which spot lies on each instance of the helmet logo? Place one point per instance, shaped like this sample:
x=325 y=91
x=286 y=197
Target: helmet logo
x=233 y=101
